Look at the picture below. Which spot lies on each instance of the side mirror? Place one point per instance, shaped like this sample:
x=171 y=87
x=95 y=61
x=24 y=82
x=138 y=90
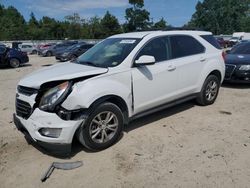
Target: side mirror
x=145 y=60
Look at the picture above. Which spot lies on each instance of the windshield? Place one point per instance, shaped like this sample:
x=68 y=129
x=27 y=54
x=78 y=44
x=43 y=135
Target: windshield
x=72 y=47
x=243 y=48
x=108 y=53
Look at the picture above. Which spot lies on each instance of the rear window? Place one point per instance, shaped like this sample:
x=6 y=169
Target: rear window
x=185 y=46
x=211 y=40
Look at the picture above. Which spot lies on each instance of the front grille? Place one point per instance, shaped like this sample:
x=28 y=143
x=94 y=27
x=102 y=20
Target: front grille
x=23 y=109
x=229 y=71
x=26 y=90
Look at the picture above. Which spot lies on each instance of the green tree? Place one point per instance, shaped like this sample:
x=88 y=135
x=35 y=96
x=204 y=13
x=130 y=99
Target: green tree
x=162 y=24
x=95 y=29
x=13 y=25
x=137 y=17
x=33 y=28
x=110 y=25
x=74 y=29
x=220 y=16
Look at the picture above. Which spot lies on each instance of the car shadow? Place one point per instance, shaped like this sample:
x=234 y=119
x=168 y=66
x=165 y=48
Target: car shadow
x=168 y=112
x=133 y=125
x=47 y=65
x=236 y=85
x=5 y=67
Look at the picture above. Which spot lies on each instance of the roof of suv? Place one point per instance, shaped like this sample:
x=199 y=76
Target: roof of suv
x=145 y=33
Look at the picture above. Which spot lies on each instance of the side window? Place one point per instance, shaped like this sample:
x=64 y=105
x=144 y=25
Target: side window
x=182 y=46
x=158 y=48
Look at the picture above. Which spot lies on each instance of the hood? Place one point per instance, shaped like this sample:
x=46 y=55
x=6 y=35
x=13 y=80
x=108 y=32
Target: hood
x=237 y=59
x=62 y=71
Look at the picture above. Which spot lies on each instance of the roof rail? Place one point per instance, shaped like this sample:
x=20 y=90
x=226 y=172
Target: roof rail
x=171 y=29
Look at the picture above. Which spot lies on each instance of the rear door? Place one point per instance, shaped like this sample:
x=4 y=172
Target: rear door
x=189 y=58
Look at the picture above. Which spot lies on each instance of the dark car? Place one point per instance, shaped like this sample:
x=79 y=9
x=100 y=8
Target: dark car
x=73 y=52
x=52 y=50
x=222 y=42
x=12 y=57
x=238 y=64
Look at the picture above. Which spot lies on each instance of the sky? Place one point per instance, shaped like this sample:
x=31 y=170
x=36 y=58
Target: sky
x=175 y=12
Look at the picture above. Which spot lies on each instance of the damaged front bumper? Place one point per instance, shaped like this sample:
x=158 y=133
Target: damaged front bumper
x=32 y=128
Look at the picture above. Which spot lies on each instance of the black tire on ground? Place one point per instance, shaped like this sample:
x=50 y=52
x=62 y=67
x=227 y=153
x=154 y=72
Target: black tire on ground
x=49 y=53
x=34 y=52
x=14 y=63
x=108 y=118
x=209 y=91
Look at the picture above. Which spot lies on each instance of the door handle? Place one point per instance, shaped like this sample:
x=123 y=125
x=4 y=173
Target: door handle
x=202 y=59
x=171 y=68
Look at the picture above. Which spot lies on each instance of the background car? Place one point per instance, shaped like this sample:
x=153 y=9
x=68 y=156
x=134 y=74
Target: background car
x=73 y=52
x=52 y=50
x=12 y=57
x=1 y=44
x=221 y=42
x=238 y=63
x=42 y=47
x=29 y=48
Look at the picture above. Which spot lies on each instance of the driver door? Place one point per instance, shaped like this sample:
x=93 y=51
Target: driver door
x=154 y=85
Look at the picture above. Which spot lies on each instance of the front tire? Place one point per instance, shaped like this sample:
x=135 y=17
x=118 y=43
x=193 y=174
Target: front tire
x=209 y=91
x=49 y=53
x=102 y=128
x=14 y=63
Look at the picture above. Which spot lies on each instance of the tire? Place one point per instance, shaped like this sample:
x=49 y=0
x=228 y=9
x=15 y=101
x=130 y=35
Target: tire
x=14 y=63
x=209 y=91
x=34 y=52
x=72 y=57
x=91 y=134
x=48 y=54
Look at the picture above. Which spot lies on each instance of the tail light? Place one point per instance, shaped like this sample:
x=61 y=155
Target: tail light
x=224 y=55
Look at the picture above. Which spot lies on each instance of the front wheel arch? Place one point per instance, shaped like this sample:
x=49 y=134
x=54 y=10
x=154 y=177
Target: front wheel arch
x=115 y=100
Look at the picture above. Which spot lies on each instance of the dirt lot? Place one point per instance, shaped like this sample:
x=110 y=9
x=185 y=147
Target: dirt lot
x=185 y=146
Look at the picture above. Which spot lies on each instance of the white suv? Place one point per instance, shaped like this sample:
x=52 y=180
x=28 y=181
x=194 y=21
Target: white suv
x=121 y=78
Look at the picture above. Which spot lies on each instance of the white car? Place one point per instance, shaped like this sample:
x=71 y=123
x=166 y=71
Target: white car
x=124 y=77
x=29 y=48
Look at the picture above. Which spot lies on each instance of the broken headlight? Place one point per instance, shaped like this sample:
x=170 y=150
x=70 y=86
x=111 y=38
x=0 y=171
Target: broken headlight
x=54 y=96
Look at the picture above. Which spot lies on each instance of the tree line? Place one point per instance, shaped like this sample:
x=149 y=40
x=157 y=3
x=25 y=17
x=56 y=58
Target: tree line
x=217 y=16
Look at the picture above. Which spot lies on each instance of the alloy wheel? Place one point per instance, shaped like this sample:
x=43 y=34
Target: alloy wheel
x=103 y=127
x=211 y=90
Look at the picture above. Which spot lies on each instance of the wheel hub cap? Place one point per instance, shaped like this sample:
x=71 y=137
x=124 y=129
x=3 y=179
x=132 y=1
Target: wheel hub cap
x=103 y=127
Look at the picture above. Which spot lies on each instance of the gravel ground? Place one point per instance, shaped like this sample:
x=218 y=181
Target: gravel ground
x=184 y=146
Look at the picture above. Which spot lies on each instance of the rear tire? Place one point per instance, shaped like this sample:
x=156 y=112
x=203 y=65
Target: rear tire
x=73 y=57
x=48 y=54
x=14 y=63
x=102 y=128
x=209 y=91
x=34 y=52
